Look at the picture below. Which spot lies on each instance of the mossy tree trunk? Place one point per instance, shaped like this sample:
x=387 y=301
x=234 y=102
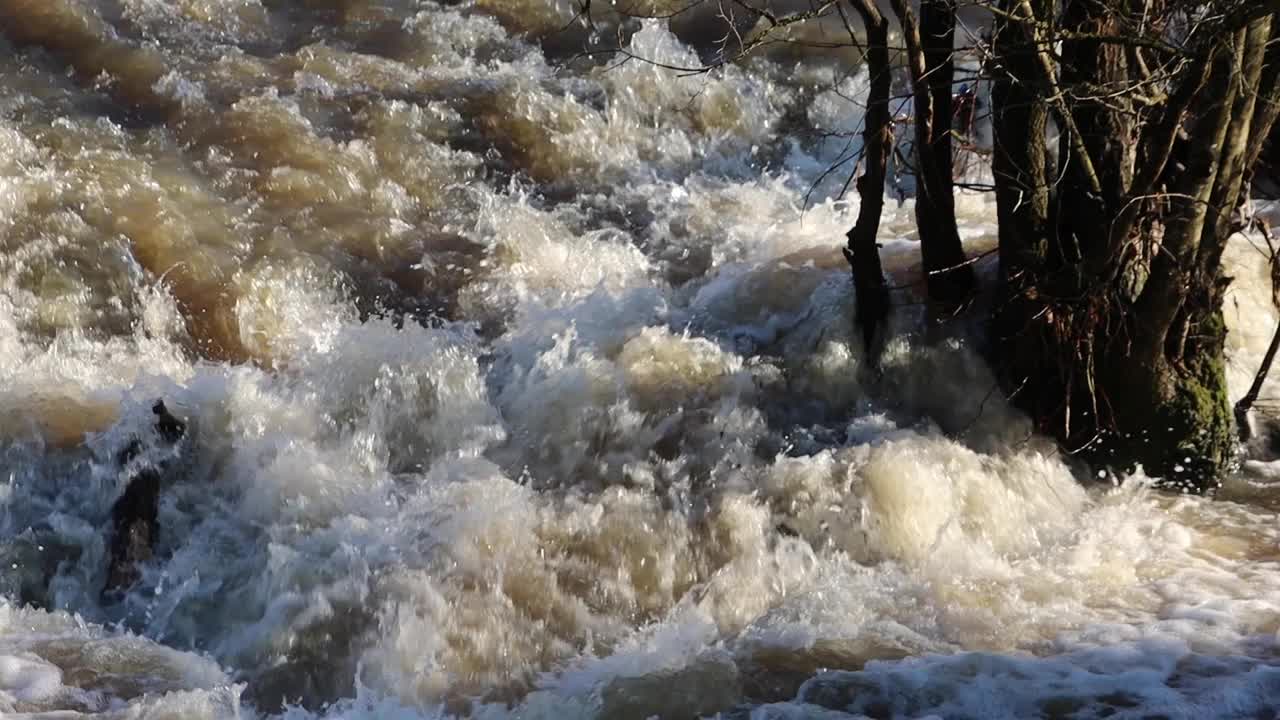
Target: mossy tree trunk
x=1110 y=332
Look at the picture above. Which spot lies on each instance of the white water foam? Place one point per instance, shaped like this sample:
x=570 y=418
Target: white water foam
x=640 y=471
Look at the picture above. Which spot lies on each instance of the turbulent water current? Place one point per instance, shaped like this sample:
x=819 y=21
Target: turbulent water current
x=522 y=382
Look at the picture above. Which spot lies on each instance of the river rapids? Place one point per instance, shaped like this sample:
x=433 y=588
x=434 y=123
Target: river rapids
x=520 y=381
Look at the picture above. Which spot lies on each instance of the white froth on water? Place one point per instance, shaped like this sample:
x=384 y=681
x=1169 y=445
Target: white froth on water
x=632 y=462
x=51 y=662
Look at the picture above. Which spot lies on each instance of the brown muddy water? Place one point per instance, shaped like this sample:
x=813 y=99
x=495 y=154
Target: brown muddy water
x=522 y=383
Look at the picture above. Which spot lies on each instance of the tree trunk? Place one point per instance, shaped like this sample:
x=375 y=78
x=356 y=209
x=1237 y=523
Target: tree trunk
x=1020 y=158
x=1268 y=102
x=1020 y=164
x=863 y=253
x=1110 y=332
x=930 y=47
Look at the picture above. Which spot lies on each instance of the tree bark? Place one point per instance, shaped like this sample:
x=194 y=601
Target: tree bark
x=1020 y=165
x=1169 y=390
x=1098 y=145
x=1110 y=329
x=862 y=252
x=1268 y=97
x=1020 y=159
x=1173 y=269
x=930 y=47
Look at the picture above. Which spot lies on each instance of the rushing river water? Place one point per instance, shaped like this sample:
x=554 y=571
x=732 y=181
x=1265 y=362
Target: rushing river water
x=523 y=383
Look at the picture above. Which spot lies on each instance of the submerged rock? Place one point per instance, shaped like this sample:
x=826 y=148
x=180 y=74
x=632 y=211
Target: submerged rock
x=135 y=516
x=704 y=688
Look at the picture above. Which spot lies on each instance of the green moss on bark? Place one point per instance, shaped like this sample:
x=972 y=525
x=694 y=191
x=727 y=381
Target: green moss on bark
x=1174 y=420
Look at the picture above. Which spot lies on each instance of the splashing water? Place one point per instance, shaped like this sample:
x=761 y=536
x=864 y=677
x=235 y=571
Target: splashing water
x=522 y=384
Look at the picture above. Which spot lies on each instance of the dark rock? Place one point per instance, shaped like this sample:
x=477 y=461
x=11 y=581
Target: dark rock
x=705 y=688
x=134 y=519
x=135 y=516
x=171 y=429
